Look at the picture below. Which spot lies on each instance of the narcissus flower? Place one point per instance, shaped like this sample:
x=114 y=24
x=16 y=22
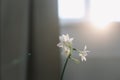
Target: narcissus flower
x=83 y=53
x=65 y=43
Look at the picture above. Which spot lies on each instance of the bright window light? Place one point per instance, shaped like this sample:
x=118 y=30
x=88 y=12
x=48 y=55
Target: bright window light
x=102 y=12
x=71 y=9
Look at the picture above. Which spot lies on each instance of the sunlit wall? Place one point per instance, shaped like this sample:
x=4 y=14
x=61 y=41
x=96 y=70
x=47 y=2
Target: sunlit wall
x=101 y=35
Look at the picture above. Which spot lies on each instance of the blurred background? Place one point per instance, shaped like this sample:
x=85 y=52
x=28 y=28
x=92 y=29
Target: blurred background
x=29 y=33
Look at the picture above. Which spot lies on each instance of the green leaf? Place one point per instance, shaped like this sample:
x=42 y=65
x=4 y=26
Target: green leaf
x=75 y=60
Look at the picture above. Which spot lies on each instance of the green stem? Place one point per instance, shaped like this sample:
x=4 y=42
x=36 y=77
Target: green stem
x=61 y=78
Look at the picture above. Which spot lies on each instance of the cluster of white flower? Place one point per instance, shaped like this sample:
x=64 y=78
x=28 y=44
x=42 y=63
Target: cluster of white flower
x=66 y=44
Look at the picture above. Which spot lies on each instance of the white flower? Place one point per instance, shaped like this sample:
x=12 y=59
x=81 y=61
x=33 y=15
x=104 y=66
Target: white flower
x=65 y=43
x=83 y=53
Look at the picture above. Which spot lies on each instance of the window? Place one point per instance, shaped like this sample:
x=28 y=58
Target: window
x=96 y=10
x=104 y=11
x=71 y=9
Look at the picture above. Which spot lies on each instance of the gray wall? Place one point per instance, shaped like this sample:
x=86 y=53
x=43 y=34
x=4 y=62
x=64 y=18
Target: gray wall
x=103 y=60
x=13 y=39
x=14 y=29
x=45 y=53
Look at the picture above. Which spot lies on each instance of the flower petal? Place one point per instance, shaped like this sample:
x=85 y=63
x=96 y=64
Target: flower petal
x=60 y=45
x=85 y=47
x=83 y=58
